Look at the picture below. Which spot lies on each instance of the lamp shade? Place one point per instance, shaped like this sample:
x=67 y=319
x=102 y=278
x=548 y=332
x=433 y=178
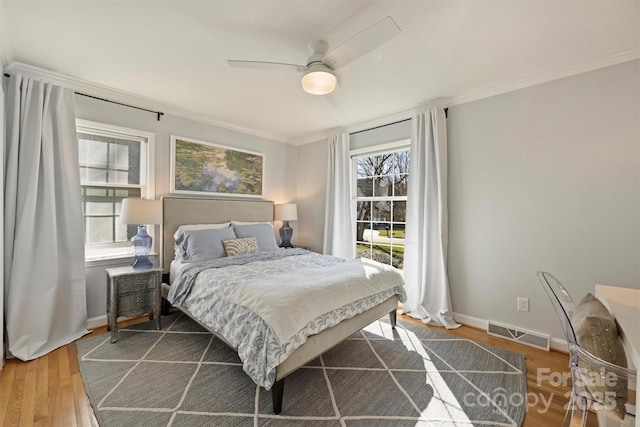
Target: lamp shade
x=286 y=212
x=140 y=211
x=319 y=80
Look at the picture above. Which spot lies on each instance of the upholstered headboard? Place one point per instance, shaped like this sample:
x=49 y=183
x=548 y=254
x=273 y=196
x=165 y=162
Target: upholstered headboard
x=177 y=211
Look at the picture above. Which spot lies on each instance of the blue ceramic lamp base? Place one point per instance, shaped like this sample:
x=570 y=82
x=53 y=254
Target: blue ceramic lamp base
x=285 y=235
x=141 y=246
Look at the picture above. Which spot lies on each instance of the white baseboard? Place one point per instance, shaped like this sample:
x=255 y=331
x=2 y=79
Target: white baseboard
x=559 y=344
x=555 y=343
x=96 y=322
x=471 y=321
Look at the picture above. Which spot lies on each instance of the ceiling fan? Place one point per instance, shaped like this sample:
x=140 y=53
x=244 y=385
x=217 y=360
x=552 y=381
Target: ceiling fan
x=318 y=75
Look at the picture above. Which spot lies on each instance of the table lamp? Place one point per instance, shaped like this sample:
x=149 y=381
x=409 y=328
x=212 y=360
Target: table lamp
x=141 y=212
x=285 y=213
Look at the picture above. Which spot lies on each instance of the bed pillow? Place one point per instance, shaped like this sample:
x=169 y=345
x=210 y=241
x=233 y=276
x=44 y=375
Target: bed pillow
x=596 y=332
x=178 y=234
x=248 y=245
x=204 y=245
x=262 y=232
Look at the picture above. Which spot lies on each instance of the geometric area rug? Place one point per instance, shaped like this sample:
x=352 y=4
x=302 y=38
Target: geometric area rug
x=411 y=376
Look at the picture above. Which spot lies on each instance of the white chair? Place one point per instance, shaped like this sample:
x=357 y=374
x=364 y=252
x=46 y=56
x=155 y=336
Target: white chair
x=594 y=380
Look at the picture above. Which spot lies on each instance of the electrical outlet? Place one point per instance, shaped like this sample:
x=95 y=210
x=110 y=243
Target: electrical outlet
x=523 y=304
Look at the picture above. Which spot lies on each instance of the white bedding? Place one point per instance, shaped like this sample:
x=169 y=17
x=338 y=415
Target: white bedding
x=267 y=304
x=288 y=302
x=174 y=269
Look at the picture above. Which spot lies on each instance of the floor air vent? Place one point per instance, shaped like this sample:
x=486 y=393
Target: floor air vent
x=533 y=339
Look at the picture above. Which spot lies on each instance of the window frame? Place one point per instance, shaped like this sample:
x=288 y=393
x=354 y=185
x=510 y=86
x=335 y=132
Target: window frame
x=95 y=253
x=375 y=150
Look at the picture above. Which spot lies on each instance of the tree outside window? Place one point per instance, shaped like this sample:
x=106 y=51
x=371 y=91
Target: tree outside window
x=381 y=203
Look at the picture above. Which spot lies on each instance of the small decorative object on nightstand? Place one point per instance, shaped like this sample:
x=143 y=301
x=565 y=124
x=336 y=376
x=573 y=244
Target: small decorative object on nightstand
x=132 y=292
x=141 y=212
x=285 y=213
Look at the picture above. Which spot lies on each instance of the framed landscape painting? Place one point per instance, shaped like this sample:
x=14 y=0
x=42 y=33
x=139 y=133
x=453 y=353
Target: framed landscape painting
x=204 y=168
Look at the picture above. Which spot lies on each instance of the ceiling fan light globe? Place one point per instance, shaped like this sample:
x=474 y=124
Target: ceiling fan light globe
x=319 y=82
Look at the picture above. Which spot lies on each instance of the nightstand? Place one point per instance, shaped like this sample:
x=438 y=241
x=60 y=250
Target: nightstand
x=132 y=292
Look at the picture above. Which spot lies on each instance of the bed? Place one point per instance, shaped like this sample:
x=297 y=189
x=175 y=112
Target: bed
x=180 y=211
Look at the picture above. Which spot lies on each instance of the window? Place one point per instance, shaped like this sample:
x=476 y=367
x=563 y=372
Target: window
x=380 y=185
x=115 y=163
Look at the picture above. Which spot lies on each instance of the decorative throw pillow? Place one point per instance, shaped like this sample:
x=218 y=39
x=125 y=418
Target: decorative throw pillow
x=597 y=333
x=247 y=245
x=262 y=232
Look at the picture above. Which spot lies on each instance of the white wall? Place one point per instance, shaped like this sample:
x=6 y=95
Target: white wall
x=312 y=187
x=280 y=165
x=544 y=178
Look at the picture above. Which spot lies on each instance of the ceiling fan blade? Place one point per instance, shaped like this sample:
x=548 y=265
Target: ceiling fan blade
x=271 y=66
x=362 y=43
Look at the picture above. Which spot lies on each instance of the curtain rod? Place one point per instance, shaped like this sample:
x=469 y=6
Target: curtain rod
x=446 y=115
x=157 y=113
x=381 y=126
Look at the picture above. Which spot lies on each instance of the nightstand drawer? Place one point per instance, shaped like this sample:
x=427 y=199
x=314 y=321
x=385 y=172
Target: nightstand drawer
x=137 y=283
x=132 y=292
x=137 y=303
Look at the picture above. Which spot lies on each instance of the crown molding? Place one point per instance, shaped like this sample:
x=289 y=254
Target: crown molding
x=536 y=79
x=112 y=94
x=533 y=80
x=310 y=138
x=357 y=127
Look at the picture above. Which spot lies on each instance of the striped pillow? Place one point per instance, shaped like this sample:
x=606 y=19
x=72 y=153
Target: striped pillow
x=247 y=245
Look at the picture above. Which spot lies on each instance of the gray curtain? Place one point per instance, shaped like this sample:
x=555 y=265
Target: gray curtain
x=427 y=233
x=339 y=237
x=44 y=276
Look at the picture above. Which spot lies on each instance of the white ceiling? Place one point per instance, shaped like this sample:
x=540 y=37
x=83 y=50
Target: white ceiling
x=175 y=52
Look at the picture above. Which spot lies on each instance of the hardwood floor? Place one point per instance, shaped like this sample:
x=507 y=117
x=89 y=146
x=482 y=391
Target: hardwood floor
x=546 y=399
x=49 y=392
